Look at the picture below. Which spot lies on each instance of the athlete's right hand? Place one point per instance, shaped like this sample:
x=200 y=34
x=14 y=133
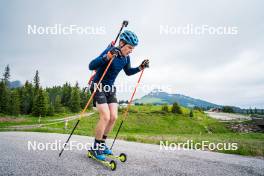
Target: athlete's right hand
x=111 y=54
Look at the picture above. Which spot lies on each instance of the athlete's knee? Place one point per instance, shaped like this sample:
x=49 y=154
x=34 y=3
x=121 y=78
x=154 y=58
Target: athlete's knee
x=105 y=116
x=113 y=118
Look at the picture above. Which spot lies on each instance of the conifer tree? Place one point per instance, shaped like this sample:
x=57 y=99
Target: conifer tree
x=57 y=105
x=14 y=103
x=4 y=97
x=6 y=75
x=75 y=100
x=26 y=98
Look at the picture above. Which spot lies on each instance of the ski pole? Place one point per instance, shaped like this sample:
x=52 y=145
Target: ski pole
x=124 y=24
x=128 y=106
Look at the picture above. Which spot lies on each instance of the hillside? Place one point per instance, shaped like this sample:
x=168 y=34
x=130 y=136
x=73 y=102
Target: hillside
x=158 y=97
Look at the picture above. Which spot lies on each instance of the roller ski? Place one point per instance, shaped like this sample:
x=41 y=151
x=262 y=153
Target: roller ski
x=108 y=153
x=101 y=158
x=122 y=157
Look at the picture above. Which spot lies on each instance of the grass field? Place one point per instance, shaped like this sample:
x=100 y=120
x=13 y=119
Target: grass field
x=148 y=124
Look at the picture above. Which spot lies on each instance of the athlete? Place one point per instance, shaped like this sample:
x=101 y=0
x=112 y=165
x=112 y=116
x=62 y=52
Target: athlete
x=105 y=97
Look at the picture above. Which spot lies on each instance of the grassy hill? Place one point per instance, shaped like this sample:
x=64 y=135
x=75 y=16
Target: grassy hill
x=149 y=124
x=160 y=97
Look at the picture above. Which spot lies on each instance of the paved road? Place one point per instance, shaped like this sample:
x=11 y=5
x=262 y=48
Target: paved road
x=143 y=159
x=227 y=116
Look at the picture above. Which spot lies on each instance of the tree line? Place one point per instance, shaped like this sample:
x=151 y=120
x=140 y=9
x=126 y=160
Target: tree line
x=32 y=99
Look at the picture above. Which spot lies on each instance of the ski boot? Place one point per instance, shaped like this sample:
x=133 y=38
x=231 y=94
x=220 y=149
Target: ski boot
x=101 y=158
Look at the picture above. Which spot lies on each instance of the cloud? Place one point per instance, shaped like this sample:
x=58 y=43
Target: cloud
x=224 y=69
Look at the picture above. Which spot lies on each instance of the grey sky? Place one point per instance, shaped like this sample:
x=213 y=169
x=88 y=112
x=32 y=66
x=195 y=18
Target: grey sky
x=223 y=69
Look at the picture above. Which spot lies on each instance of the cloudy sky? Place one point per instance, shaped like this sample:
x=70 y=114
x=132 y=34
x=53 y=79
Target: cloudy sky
x=223 y=68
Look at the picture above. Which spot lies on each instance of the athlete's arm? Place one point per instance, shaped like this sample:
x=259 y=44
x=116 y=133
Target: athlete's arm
x=128 y=70
x=100 y=60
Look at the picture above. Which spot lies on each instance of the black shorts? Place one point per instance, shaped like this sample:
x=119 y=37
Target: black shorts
x=102 y=97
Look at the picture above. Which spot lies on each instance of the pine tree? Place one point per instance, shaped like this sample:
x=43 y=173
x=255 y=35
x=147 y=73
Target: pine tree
x=75 y=100
x=53 y=92
x=84 y=98
x=35 y=108
x=26 y=98
x=36 y=82
x=4 y=97
x=176 y=108
x=46 y=103
x=6 y=75
x=77 y=85
x=14 y=103
x=57 y=105
x=40 y=105
x=66 y=95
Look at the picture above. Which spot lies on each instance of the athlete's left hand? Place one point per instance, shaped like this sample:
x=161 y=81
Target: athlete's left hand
x=144 y=64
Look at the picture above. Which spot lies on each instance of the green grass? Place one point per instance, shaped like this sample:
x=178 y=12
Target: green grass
x=29 y=119
x=146 y=100
x=148 y=124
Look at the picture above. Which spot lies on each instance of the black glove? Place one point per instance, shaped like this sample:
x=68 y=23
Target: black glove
x=114 y=52
x=144 y=64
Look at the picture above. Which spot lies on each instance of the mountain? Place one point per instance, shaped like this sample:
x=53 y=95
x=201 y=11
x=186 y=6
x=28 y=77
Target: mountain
x=158 y=96
x=15 y=84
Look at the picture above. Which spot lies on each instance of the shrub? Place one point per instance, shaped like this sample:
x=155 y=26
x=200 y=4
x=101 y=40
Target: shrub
x=176 y=108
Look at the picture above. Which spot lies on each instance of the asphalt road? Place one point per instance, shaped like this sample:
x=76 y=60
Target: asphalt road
x=143 y=159
x=227 y=116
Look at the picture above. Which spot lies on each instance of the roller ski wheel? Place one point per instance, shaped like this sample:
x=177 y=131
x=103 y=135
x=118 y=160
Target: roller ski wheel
x=109 y=164
x=122 y=157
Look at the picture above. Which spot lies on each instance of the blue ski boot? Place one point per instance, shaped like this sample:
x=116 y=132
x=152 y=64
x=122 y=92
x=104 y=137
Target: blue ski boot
x=107 y=151
x=98 y=154
x=98 y=151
